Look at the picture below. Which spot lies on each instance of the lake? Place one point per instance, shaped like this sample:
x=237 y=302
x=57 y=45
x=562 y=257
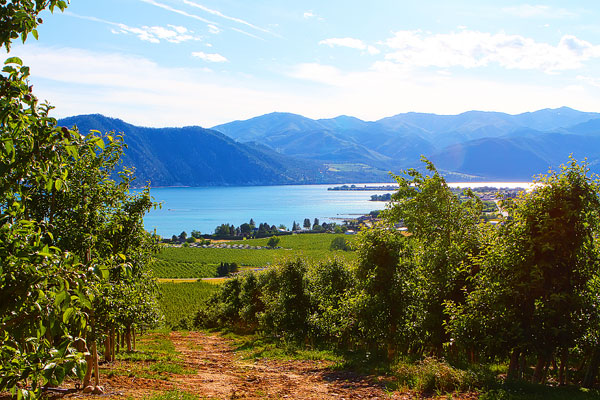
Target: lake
x=205 y=208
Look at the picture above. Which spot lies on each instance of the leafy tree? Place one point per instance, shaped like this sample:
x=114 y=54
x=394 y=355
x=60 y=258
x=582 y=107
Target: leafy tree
x=286 y=300
x=19 y=18
x=183 y=236
x=196 y=234
x=339 y=243
x=532 y=293
x=445 y=236
x=385 y=302
x=273 y=242
x=306 y=223
x=66 y=231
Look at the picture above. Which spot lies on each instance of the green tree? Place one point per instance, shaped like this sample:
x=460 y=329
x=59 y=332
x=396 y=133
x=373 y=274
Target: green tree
x=339 y=243
x=532 y=293
x=385 y=302
x=445 y=236
x=306 y=223
x=66 y=229
x=273 y=242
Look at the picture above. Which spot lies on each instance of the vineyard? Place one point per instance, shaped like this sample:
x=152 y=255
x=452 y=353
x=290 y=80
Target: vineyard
x=179 y=301
x=189 y=262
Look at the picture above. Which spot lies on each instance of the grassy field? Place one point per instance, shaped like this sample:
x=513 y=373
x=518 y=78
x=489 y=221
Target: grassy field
x=180 y=301
x=188 y=262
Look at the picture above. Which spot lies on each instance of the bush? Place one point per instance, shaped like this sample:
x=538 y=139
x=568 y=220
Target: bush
x=273 y=242
x=433 y=375
x=339 y=243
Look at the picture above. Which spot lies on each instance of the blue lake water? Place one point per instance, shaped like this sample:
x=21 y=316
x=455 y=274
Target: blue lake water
x=204 y=208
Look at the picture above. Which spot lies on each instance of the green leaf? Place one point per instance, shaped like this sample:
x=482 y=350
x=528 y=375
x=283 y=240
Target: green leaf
x=68 y=314
x=13 y=60
x=58 y=184
x=35 y=34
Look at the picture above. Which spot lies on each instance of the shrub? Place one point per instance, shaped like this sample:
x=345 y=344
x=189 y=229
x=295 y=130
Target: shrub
x=339 y=243
x=433 y=375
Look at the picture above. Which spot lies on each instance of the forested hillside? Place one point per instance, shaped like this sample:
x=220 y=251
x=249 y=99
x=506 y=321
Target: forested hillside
x=193 y=156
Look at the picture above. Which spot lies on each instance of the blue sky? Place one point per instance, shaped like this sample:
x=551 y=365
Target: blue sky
x=205 y=62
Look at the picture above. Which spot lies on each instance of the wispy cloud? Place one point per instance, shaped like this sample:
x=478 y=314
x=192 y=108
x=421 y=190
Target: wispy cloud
x=246 y=33
x=214 y=29
x=227 y=17
x=471 y=49
x=538 y=11
x=211 y=57
x=152 y=34
x=310 y=14
x=177 y=11
x=351 y=43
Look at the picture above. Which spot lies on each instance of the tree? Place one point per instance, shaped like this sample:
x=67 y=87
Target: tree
x=295 y=227
x=306 y=223
x=66 y=231
x=534 y=291
x=273 y=242
x=316 y=222
x=196 y=234
x=339 y=243
x=385 y=301
x=183 y=236
x=445 y=236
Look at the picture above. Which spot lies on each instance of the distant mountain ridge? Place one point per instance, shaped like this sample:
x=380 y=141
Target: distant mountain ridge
x=194 y=156
x=477 y=145
x=285 y=148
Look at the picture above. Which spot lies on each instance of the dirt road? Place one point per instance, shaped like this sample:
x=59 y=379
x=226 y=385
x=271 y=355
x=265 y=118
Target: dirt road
x=215 y=371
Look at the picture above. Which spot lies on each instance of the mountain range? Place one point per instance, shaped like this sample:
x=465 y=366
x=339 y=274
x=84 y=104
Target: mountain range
x=285 y=148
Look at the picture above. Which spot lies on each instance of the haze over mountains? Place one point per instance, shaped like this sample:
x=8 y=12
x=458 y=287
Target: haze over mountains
x=284 y=148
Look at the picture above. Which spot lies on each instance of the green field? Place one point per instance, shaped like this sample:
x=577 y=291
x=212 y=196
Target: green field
x=180 y=301
x=188 y=262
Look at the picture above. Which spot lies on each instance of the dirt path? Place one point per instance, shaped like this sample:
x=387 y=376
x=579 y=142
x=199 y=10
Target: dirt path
x=214 y=371
x=220 y=374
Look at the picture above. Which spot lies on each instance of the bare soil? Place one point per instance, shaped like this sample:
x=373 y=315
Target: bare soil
x=217 y=372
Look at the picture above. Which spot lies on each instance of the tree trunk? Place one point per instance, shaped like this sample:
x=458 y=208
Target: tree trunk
x=539 y=370
x=513 y=366
x=592 y=370
x=107 y=349
x=128 y=337
x=133 y=339
x=564 y=361
x=112 y=343
x=96 y=372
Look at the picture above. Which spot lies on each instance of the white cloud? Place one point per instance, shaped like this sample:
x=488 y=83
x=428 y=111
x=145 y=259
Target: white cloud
x=227 y=17
x=538 y=11
x=154 y=34
x=144 y=93
x=310 y=15
x=351 y=43
x=214 y=29
x=211 y=57
x=177 y=11
x=471 y=49
x=589 y=80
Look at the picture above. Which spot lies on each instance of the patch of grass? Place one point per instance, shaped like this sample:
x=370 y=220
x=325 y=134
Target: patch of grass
x=256 y=347
x=529 y=391
x=435 y=376
x=173 y=395
x=156 y=358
